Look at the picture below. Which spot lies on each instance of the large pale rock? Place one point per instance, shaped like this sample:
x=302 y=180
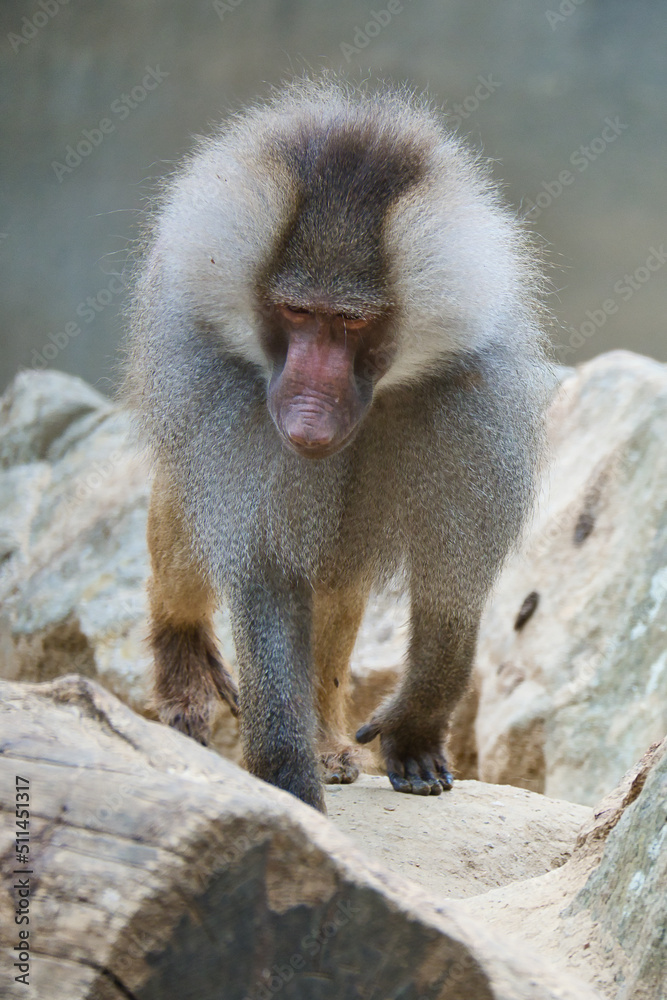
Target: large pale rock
x=573 y=687
x=604 y=913
x=72 y=526
x=625 y=897
x=157 y=869
x=37 y=409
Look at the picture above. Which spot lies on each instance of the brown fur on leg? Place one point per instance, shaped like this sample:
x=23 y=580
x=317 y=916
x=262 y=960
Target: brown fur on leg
x=337 y=615
x=189 y=675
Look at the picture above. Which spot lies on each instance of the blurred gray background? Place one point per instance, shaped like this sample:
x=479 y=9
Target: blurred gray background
x=568 y=98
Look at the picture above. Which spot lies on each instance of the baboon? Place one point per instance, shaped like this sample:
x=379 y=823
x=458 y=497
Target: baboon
x=337 y=362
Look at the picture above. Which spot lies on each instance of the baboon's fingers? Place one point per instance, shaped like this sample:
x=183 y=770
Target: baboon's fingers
x=412 y=775
x=368 y=732
x=426 y=777
x=417 y=776
x=422 y=773
x=398 y=783
x=444 y=775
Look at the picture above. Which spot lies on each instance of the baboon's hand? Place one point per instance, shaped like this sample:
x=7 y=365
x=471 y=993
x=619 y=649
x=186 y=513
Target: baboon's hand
x=415 y=762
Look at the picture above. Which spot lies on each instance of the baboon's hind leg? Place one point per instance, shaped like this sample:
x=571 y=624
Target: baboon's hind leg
x=336 y=620
x=189 y=676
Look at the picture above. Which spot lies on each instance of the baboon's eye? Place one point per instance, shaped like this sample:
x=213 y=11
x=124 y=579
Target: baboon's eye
x=354 y=322
x=293 y=313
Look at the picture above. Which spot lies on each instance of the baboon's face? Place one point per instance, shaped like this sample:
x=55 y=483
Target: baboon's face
x=325 y=366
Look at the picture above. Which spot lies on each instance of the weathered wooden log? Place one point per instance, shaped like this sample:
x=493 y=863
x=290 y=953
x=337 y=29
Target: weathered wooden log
x=156 y=869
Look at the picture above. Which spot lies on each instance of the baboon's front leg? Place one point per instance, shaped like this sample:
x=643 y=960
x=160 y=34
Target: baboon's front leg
x=272 y=624
x=189 y=675
x=412 y=724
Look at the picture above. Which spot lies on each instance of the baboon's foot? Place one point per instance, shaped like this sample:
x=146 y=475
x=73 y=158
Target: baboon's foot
x=342 y=763
x=194 y=722
x=190 y=679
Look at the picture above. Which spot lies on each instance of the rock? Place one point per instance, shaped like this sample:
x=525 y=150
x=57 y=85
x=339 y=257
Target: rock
x=604 y=913
x=607 y=813
x=572 y=659
x=157 y=869
x=624 y=898
x=73 y=534
x=37 y=409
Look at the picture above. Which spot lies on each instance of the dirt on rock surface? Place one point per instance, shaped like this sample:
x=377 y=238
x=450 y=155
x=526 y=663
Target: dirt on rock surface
x=462 y=843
